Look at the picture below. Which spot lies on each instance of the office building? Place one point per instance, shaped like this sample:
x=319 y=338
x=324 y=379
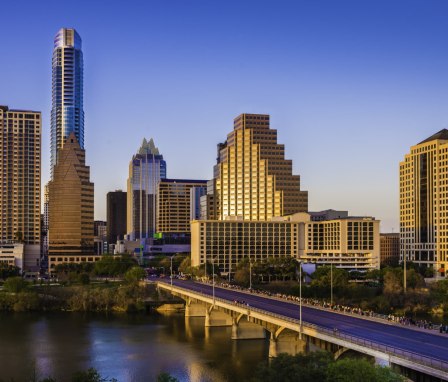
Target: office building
x=253 y=178
x=327 y=215
x=71 y=195
x=390 y=249
x=424 y=204
x=116 y=216
x=100 y=237
x=196 y=193
x=174 y=201
x=67 y=113
x=351 y=243
x=20 y=168
x=146 y=169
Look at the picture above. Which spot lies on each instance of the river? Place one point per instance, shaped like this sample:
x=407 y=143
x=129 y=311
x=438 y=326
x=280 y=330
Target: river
x=125 y=347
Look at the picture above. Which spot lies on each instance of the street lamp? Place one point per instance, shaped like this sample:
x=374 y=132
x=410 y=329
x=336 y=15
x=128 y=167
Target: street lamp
x=404 y=272
x=172 y=272
x=250 y=274
x=331 y=284
x=213 y=269
x=300 y=300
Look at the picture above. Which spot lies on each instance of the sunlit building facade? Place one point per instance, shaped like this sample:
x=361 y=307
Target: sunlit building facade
x=253 y=179
x=424 y=204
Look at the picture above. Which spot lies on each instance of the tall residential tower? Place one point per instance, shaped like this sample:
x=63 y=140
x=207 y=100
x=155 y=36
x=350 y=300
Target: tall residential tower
x=67 y=114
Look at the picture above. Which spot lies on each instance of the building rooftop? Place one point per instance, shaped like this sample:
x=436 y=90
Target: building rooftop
x=183 y=181
x=442 y=134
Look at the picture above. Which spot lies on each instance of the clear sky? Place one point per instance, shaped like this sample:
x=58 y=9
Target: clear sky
x=349 y=85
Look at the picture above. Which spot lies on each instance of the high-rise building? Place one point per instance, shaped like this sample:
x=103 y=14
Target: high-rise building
x=67 y=113
x=174 y=202
x=390 y=248
x=146 y=168
x=253 y=178
x=116 y=216
x=71 y=207
x=20 y=168
x=424 y=204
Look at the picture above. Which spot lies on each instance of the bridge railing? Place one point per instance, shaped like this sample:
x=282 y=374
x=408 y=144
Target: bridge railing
x=391 y=350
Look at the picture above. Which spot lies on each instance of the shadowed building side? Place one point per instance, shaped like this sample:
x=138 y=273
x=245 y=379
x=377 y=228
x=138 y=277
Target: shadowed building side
x=71 y=207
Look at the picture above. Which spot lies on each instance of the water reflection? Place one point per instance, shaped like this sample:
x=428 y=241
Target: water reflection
x=129 y=348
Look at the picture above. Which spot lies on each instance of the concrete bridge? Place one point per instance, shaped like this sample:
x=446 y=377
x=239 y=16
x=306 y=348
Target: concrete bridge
x=418 y=352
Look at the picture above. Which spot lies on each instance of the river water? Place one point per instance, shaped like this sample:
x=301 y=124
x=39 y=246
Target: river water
x=126 y=347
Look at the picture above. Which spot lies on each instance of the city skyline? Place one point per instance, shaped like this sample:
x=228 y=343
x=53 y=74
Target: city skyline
x=315 y=69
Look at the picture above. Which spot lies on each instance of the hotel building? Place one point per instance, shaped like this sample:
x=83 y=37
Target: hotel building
x=424 y=204
x=351 y=243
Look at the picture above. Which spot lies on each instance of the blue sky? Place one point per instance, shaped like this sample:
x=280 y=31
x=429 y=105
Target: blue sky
x=349 y=85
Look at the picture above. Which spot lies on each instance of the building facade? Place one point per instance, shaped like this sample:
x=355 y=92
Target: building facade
x=174 y=201
x=146 y=169
x=67 y=112
x=116 y=216
x=424 y=204
x=253 y=178
x=351 y=243
x=71 y=194
x=390 y=249
x=20 y=190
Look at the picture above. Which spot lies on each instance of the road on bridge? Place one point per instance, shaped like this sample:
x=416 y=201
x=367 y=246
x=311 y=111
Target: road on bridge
x=400 y=337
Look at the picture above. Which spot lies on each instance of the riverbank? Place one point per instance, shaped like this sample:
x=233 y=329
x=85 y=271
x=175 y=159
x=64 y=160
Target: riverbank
x=96 y=297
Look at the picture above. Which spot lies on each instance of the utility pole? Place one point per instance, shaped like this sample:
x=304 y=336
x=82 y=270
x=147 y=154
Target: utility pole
x=404 y=272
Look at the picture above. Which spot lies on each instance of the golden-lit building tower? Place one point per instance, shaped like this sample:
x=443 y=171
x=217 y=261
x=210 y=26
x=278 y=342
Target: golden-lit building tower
x=253 y=179
x=424 y=204
x=71 y=207
x=20 y=168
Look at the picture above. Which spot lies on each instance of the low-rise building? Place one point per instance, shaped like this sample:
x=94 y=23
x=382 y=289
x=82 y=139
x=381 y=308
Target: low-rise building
x=390 y=248
x=351 y=243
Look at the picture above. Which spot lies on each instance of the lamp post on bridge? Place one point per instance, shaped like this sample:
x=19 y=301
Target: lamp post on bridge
x=213 y=269
x=331 y=284
x=172 y=272
x=250 y=274
x=300 y=300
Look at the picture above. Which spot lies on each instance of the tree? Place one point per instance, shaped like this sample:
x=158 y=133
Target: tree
x=165 y=377
x=322 y=277
x=91 y=375
x=185 y=266
x=15 y=285
x=349 y=370
x=7 y=270
x=135 y=274
x=287 y=368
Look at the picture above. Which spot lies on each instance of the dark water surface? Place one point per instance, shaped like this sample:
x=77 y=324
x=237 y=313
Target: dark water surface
x=128 y=348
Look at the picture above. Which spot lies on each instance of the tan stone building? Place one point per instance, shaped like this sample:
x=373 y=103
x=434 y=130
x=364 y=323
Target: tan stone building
x=351 y=243
x=71 y=207
x=20 y=168
x=253 y=178
x=174 y=204
x=390 y=248
x=424 y=204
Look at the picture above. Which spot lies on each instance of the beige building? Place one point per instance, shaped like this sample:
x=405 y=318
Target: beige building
x=390 y=248
x=253 y=179
x=174 y=204
x=350 y=243
x=424 y=204
x=20 y=168
x=71 y=207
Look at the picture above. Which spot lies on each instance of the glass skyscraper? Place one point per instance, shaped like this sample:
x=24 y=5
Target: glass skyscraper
x=146 y=169
x=67 y=114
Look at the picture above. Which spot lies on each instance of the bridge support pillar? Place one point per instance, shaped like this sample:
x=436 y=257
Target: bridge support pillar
x=243 y=330
x=216 y=318
x=194 y=309
x=289 y=343
x=382 y=362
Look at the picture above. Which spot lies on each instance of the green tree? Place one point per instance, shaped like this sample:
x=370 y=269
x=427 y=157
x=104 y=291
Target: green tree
x=15 y=285
x=165 y=377
x=135 y=274
x=7 y=270
x=185 y=266
x=91 y=375
x=354 y=370
x=322 y=277
x=287 y=368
